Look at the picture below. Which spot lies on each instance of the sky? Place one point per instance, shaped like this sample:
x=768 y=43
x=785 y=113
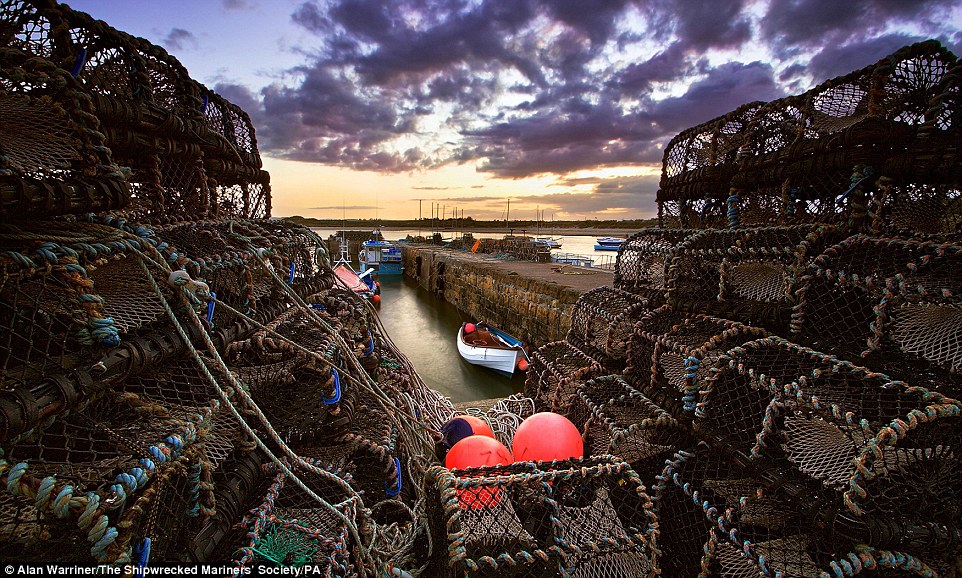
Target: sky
x=386 y=108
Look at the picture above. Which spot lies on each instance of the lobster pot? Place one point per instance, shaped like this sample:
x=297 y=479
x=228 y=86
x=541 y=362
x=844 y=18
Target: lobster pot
x=377 y=461
x=236 y=259
x=601 y=324
x=150 y=113
x=149 y=446
x=63 y=305
x=745 y=274
x=876 y=446
x=698 y=164
x=918 y=210
x=643 y=259
x=760 y=529
x=291 y=528
x=53 y=158
x=555 y=372
x=817 y=155
x=239 y=487
x=671 y=353
x=618 y=420
x=574 y=517
x=707 y=213
x=892 y=304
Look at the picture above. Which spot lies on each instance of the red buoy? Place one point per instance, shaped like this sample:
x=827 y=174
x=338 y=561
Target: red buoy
x=523 y=364
x=376 y=299
x=547 y=436
x=469 y=328
x=474 y=451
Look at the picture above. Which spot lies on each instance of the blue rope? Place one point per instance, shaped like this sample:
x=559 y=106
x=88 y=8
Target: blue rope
x=337 y=390
x=391 y=492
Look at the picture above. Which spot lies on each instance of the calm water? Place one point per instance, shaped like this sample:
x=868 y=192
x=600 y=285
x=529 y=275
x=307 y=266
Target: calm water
x=425 y=328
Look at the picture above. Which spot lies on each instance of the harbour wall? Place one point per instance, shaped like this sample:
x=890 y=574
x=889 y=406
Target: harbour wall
x=532 y=301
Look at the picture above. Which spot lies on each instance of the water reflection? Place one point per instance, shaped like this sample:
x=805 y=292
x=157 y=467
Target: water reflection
x=424 y=327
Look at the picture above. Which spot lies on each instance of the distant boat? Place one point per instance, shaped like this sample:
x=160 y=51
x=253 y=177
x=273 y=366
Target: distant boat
x=549 y=242
x=608 y=243
x=384 y=257
x=484 y=345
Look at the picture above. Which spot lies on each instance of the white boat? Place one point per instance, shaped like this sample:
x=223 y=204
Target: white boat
x=487 y=346
x=549 y=242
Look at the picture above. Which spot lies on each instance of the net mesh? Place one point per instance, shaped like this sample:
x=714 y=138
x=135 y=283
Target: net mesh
x=618 y=420
x=534 y=519
x=889 y=303
x=671 y=353
x=721 y=523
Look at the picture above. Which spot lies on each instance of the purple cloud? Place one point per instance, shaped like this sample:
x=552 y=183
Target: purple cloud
x=528 y=87
x=179 y=39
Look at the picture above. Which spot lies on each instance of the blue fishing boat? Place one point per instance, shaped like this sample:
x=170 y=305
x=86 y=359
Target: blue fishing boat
x=608 y=243
x=384 y=257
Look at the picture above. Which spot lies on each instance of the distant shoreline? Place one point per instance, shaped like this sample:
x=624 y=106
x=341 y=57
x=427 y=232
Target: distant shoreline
x=545 y=232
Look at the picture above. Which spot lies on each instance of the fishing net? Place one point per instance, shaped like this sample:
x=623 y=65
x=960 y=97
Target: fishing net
x=618 y=420
x=890 y=303
x=643 y=260
x=745 y=274
x=671 y=353
x=556 y=370
x=505 y=416
x=601 y=324
x=738 y=525
x=580 y=517
x=882 y=448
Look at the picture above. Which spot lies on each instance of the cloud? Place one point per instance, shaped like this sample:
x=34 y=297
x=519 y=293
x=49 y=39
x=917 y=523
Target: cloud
x=531 y=87
x=235 y=5
x=835 y=60
x=179 y=39
x=793 y=25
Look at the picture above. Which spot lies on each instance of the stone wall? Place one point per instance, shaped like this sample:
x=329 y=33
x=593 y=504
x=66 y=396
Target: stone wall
x=534 y=310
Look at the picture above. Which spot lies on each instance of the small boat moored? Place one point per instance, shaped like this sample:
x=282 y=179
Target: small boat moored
x=487 y=346
x=361 y=283
x=608 y=243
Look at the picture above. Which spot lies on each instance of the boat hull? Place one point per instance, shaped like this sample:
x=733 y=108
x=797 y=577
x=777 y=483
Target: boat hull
x=607 y=247
x=501 y=359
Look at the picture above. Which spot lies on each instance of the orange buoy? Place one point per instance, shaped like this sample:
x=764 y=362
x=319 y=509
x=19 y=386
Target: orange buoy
x=474 y=451
x=545 y=437
x=469 y=328
x=376 y=299
x=523 y=364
